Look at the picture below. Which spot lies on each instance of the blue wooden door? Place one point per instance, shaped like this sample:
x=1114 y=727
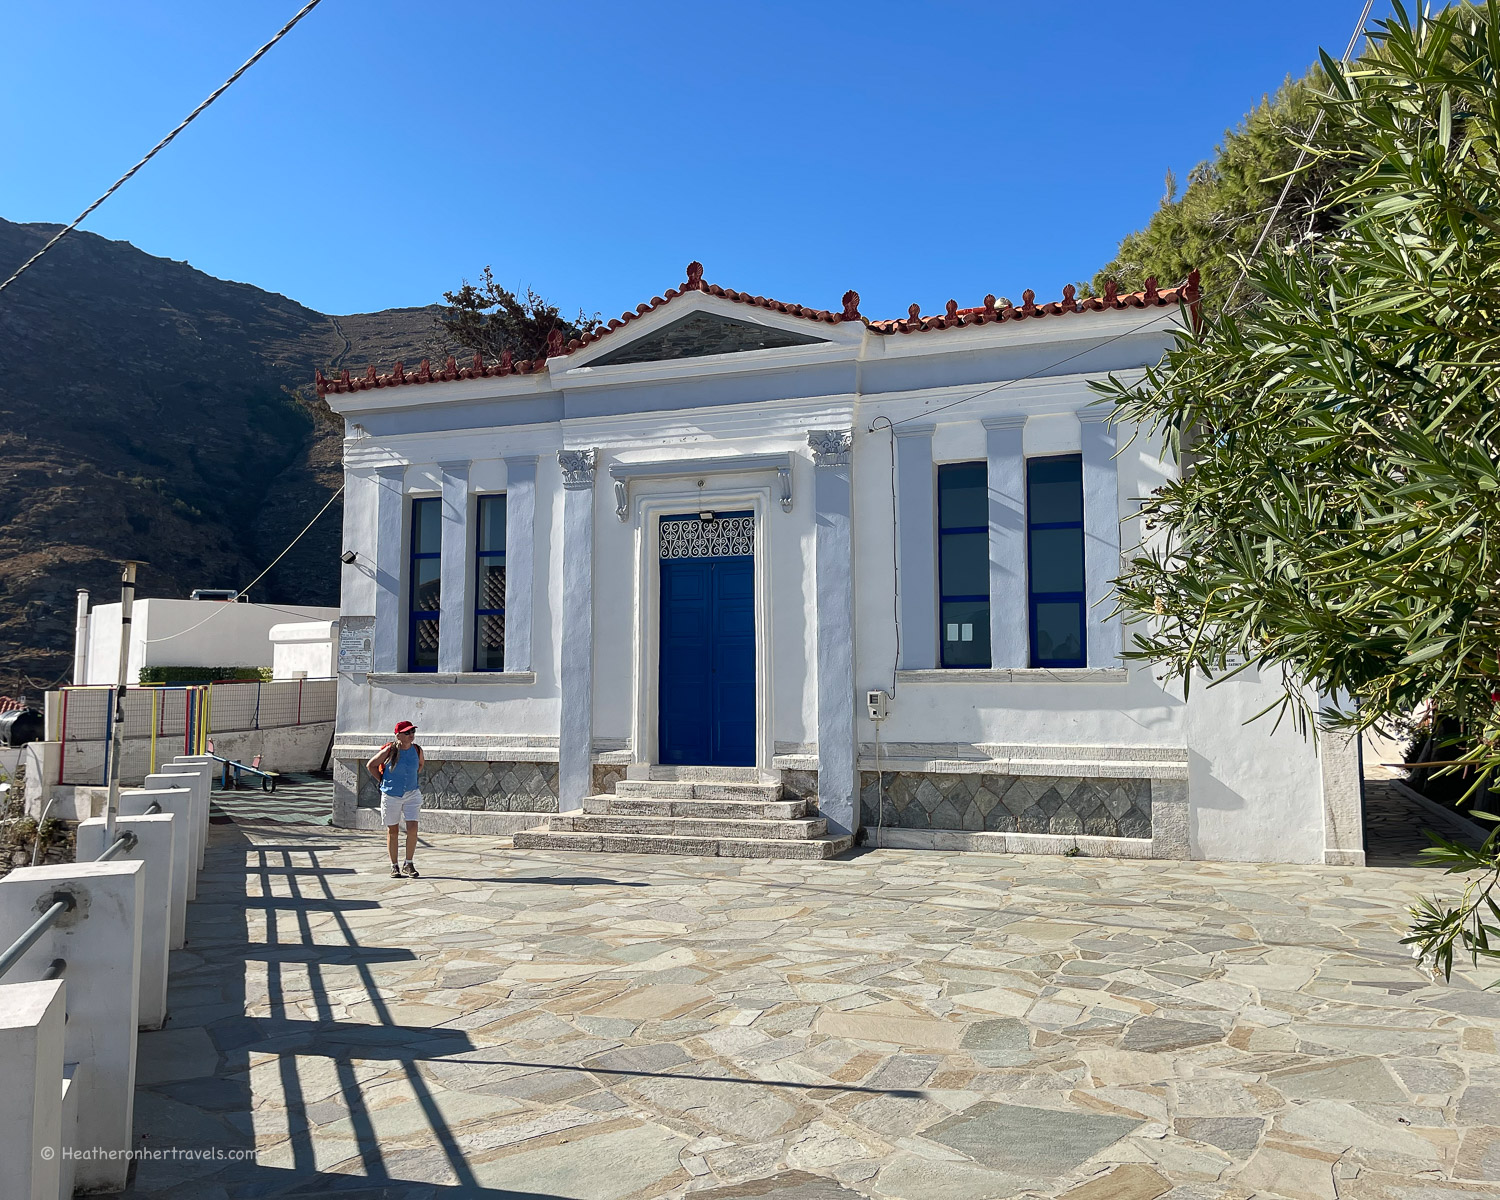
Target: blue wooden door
x=706 y=712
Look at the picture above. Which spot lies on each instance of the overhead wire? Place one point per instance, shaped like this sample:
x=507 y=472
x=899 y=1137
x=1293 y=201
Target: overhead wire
x=161 y=145
x=219 y=609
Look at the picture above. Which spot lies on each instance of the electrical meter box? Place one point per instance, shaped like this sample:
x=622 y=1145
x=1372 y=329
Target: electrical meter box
x=879 y=704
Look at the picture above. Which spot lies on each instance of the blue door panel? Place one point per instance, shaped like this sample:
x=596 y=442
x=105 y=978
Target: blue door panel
x=706 y=714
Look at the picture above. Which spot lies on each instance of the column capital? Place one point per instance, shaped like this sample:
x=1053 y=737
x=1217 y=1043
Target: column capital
x=913 y=431
x=578 y=468
x=456 y=466
x=831 y=447
x=1005 y=421
x=1095 y=415
x=396 y=471
x=520 y=460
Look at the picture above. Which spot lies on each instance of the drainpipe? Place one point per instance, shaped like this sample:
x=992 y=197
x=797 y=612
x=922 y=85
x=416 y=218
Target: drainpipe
x=81 y=640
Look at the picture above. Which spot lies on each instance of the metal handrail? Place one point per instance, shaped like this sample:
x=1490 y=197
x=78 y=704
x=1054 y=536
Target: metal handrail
x=126 y=841
x=61 y=902
x=55 y=969
x=152 y=809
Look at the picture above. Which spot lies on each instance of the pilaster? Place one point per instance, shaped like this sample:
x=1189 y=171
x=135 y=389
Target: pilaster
x=576 y=728
x=832 y=451
x=1010 y=628
x=454 y=635
x=389 y=553
x=1101 y=535
x=520 y=558
x=916 y=533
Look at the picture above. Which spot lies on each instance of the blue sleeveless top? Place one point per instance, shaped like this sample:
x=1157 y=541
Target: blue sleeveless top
x=400 y=772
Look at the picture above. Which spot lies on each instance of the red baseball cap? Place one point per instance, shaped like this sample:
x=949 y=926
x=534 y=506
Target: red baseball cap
x=405 y=727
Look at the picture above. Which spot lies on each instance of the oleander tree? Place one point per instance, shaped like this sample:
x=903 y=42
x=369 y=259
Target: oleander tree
x=1338 y=521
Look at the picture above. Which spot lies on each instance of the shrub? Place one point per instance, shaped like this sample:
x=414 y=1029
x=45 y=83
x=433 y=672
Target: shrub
x=205 y=674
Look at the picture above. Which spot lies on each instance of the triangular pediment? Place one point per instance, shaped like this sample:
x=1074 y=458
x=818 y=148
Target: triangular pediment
x=700 y=334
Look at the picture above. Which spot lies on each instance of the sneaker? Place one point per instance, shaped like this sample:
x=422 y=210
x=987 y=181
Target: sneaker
x=395 y=871
x=410 y=870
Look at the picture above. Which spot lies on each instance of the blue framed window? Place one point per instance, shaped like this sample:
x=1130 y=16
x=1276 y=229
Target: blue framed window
x=1054 y=542
x=425 y=571
x=964 y=564
x=489 y=585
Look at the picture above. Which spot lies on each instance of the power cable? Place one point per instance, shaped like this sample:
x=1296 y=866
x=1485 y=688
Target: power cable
x=221 y=608
x=161 y=145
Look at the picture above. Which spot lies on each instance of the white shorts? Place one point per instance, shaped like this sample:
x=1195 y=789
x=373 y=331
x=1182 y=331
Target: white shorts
x=395 y=809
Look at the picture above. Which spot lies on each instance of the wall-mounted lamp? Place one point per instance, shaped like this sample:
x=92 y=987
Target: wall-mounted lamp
x=705 y=516
x=348 y=557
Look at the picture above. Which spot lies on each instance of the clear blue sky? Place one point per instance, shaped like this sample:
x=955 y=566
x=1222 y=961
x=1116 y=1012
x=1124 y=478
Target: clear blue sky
x=387 y=149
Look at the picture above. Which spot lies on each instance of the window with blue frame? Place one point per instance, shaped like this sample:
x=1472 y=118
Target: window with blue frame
x=1054 y=538
x=489 y=585
x=964 y=564
x=425 y=570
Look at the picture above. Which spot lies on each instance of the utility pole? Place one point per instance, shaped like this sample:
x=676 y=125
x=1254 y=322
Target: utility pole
x=117 y=743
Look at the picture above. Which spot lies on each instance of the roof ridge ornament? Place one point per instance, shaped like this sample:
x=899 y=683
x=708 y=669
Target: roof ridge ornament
x=694 y=276
x=851 y=305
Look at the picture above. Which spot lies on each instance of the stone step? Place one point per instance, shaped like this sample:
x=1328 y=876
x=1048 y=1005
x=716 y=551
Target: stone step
x=663 y=789
x=724 y=810
x=705 y=774
x=724 y=847
x=798 y=830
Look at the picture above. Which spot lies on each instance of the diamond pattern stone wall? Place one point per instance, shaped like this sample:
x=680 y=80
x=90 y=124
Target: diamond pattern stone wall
x=478 y=786
x=606 y=775
x=1008 y=804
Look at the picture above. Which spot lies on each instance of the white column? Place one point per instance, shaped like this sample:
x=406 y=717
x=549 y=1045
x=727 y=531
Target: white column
x=1010 y=628
x=455 y=638
x=100 y=940
x=833 y=565
x=199 y=770
x=178 y=803
x=197 y=808
x=575 y=748
x=155 y=850
x=1101 y=536
x=390 y=569
x=916 y=533
x=520 y=557
x=31 y=1063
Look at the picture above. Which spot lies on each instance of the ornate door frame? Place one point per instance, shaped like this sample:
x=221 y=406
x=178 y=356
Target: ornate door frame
x=645 y=517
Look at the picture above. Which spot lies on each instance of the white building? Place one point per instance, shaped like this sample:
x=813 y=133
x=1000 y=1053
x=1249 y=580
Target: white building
x=186 y=633
x=679 y=553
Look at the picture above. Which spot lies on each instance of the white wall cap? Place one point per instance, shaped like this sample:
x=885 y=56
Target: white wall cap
x=305 y=631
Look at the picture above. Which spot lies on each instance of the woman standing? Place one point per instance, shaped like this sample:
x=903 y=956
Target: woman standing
x=395 y=767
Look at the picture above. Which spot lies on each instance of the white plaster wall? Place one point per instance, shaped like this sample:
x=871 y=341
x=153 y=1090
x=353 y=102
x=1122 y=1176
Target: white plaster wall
x=238 y=635
x=499 y=709
x=310 y=647
x=1254 y=795
x=1135 y=712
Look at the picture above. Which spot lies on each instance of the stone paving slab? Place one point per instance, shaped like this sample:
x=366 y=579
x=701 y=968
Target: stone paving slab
x=895 y=1024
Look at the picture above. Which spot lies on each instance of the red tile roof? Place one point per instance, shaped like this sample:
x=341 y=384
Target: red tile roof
x=953 y=318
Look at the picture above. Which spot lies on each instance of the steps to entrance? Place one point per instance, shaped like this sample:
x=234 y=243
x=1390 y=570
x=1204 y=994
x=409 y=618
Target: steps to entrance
x=704 y=816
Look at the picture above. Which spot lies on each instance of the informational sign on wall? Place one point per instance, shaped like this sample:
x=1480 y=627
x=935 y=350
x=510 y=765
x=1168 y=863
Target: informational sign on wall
x=356 y=645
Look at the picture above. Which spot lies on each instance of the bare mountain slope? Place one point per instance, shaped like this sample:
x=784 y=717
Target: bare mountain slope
x=150 y=411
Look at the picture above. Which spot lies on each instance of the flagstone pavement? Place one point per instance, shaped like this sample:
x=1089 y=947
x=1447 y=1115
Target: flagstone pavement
x=892 y=1024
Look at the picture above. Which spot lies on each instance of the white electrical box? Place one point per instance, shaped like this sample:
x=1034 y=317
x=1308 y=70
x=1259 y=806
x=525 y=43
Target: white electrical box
x=878 y=703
